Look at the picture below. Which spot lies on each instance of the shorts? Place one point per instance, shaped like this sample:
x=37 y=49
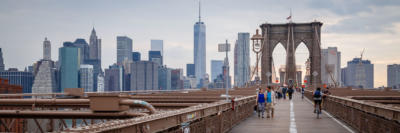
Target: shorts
x=269 y=106
x=317 y=102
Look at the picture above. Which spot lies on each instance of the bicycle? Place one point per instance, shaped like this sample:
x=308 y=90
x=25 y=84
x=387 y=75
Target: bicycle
x=318 y=110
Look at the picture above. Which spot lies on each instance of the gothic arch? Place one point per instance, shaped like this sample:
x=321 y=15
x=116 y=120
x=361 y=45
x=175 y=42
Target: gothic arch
x=291 y=35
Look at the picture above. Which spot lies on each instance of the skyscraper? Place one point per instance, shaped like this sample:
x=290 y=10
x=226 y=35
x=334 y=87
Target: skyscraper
x=330 y=66
x=176 y=79
x=113 y=80
x=216 y=68
x=69 y=59
x=190 y=70
x=157 y=45
x=144 y=75
x=155 y=56
x=1 y=61
x=393 y=76
x=353 y=77
x=126 y=65
x=164 y=78
x=100 y=83
x=45 y=74
x=46 y=49
x=84 y=49
x=242 y=59
x=94 y=46
x=95 y=57
x=86 y=77
x=15 y=77
x=199 y=48
x=136 y=56
x=45 y=79
x=124 y=49
x=96 y=71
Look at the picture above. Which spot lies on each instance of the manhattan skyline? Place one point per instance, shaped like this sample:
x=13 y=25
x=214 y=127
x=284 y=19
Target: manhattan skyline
x=372 y=25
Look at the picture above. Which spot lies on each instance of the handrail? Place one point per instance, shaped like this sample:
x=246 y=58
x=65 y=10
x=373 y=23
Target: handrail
x=382 y=110
x=191 y=113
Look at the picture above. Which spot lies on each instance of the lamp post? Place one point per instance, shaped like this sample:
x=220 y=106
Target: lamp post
x=225 y=47
x=257 y=40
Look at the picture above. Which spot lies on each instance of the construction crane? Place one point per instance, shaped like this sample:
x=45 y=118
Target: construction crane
x=362 y=53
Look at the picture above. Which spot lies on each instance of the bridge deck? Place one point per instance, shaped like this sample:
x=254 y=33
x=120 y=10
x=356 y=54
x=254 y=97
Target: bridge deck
x=304 y=120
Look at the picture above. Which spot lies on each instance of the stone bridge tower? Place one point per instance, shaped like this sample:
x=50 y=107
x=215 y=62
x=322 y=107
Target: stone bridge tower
x=291 y=35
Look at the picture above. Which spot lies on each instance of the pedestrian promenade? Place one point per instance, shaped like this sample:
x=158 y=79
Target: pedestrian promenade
x=292 y=116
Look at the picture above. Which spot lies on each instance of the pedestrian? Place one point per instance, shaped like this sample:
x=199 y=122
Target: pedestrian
x=278 y=92
x=326 y=92
x=284 y=89
x=261 y=103
x=270 y=102
x=302 y=92
x=290 y=91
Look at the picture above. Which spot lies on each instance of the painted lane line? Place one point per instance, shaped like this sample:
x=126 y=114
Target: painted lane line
x=293 y=128
x=330 y=116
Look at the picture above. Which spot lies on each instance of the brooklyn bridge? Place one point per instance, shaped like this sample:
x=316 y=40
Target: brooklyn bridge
x=206 y=110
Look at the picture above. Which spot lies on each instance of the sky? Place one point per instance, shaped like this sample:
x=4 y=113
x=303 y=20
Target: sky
x=350 y=25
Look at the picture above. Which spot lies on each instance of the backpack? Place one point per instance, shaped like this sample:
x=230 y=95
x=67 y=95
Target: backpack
x=317 y=94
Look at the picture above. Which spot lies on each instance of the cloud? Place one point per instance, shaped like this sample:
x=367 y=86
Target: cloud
x=349 y=7
x=380 y=19
x=349 y=24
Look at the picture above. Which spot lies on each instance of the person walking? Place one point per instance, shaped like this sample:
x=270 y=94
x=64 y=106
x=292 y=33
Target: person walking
x=270 y=102
x=284 y=89
x=279 y=92
x=261 y=103
x=290 y=92
x=302 y=92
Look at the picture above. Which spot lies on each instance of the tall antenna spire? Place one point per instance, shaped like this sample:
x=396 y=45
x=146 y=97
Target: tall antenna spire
x=199 y=10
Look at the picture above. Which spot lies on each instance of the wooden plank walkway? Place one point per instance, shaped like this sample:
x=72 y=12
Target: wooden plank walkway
x=301 y=119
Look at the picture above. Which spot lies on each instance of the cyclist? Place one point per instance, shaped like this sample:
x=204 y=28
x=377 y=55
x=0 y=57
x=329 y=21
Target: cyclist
x=317 y=99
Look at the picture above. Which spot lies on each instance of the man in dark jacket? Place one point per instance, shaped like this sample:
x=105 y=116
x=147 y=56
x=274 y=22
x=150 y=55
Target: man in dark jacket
x=290 y=91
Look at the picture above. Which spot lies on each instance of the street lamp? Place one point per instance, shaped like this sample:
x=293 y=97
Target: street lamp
x=257 y=40
x=225 y=47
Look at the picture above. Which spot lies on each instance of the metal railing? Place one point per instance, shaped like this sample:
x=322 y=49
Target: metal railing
x=219 y=116
x=363 y=116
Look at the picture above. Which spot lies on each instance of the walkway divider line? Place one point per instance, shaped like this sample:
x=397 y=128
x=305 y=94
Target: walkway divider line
x=337 y=121
x=293 y=128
